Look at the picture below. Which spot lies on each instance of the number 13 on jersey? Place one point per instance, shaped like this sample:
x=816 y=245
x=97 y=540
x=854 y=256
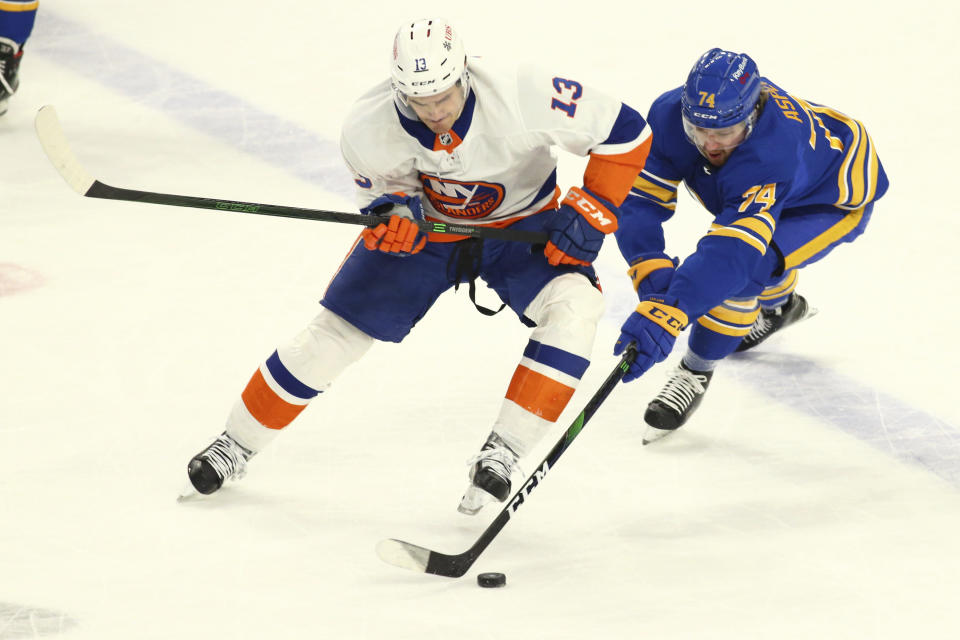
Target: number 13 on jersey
x=571 y=90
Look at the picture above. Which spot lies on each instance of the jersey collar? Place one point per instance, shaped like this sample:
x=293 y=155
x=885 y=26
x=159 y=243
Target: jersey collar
x=437 y=142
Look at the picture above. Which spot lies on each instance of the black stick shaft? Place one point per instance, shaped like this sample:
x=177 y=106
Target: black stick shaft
x=455 y=566
x=100 y=190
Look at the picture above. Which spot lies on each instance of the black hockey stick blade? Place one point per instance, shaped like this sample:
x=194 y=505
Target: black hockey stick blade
x=55 y=145
x=416 y=558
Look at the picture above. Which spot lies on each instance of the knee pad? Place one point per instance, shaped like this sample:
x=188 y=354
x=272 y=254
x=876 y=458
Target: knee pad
x=569 y=295
x=327 y=346
x=566 y=312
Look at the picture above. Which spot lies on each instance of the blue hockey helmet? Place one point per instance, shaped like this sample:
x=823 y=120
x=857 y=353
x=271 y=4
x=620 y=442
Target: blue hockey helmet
x=722 y=89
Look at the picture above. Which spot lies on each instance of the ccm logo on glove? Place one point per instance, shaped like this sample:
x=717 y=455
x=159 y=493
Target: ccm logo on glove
x=595 y=213
x=670 y=318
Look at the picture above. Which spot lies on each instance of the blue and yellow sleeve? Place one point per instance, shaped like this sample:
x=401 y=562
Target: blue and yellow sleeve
x=651 y=202
x=726 y=258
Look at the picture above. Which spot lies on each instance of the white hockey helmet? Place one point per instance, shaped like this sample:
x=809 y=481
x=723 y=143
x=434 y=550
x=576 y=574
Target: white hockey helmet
x=428 y=58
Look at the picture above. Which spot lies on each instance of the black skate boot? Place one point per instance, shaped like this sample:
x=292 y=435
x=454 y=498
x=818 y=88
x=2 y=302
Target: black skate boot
x=490 y=473
x=675 y=403
x=769 y=322
x=10 y=54
x=222 y=460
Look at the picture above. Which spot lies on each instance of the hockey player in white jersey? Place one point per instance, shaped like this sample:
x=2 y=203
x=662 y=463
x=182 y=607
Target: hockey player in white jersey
x=458 y=140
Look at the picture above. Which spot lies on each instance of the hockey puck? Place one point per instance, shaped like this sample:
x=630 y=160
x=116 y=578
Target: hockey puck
x=491 y=580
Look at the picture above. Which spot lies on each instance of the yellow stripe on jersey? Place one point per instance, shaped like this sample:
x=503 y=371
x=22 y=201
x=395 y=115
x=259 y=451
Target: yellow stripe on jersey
x=663 y=182
x=725 y=314
x=740 y=234
x=856 y=176
x=756 y=231
x=656 y=189
x=835 y=142
x=857 y=179
x=763 y=227
x=873 y=167
x=723 y=329
x=846 y=224
x=782 y=288
x=14 y=7
x=658 y=192
x=743 y=305
x=732 y=318
x=710 y=323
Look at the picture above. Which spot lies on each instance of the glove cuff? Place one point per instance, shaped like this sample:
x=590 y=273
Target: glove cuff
x=595 y=210
x=642 y=267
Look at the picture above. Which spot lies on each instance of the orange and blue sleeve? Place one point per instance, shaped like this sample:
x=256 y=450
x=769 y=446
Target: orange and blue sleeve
x=615 y=163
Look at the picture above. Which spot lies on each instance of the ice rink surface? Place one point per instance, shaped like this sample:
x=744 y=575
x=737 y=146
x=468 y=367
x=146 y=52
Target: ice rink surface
x=814 y=495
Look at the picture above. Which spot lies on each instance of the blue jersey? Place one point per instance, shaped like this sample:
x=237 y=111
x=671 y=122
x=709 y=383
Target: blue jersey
x=801 y=156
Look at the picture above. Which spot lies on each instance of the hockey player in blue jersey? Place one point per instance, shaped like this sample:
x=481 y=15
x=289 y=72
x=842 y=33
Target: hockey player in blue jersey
x=787 y=180
x=16 y=24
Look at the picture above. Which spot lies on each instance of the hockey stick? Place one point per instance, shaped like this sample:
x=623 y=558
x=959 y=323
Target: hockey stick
x=58 y=150
x=410 y=556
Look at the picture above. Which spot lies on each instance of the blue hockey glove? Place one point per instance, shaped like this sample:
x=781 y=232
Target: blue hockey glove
x=399 y=204
x=654 y=326
x=401 y=236
x=651 y=273
x=578 y=227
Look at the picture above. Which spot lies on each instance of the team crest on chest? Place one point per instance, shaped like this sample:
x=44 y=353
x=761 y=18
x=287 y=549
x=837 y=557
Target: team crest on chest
x=457 y=199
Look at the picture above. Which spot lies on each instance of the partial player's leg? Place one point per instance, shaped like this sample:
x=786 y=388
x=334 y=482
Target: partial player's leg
x=373 y=296
x=16 y=23
x=767 y=305
x=566 y=312
x=780 y=307
x=279 y=390
x=803 y=237
x=746 y=319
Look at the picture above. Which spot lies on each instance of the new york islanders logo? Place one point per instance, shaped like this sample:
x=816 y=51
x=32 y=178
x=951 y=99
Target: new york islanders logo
x=466 y=200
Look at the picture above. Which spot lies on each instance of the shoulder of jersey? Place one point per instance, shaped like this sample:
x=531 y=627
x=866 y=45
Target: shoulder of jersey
x=666 y=105
x=371 y=137
x=774 y=144
x=665 y=122
x=494 y=79
x=372 y=108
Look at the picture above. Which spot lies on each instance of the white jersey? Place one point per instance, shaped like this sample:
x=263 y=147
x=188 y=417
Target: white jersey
x=497 y=163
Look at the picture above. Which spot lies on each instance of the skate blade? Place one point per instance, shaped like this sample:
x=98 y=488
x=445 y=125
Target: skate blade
x=652 y=434
x=188 y=493
x=473 y=501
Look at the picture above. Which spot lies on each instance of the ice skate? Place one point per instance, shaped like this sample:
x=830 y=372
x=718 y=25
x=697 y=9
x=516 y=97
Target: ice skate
x=223 y=460
x=490 y=472
x=770 y=321
x=10 y=54
x=675 y=403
